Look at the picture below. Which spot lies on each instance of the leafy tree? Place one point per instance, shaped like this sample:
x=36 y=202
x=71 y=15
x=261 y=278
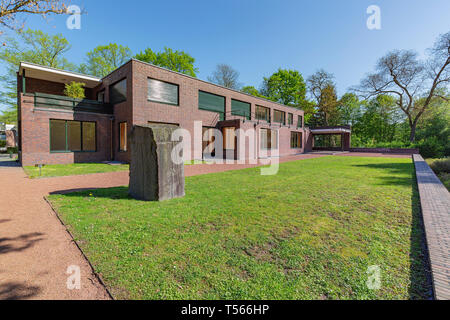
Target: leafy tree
x=11 y=10
x=251 y=90
x=178 y=61
x=75 y=90
x=9 y=116
x=32 y=46
x=323 y=89
x=349 y=109
x=104 y=59
x=414 y=84
x=286 y=87
x=226 y=76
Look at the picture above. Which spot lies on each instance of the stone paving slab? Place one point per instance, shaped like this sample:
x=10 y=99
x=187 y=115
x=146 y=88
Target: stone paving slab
x=435 y=203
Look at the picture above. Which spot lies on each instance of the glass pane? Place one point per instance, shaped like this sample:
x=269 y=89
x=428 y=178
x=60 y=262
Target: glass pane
x=162 y=92
x=274 y=141
x=89 y=136
x=118 y=92
x=211 y=102
x=123 y=136
x=239 y=108
x=74 y=135
x=57 y=135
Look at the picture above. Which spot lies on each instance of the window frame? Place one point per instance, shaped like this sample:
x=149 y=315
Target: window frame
x=299 y=121
x=249 y=116
x=221 y=114
x=126 y=95
x=126 y=136
x=290 y=118
x=267 y=119
x=269 y=147
x=163 y=102
x=66 y=136
x=299 y=136
x=284 y=117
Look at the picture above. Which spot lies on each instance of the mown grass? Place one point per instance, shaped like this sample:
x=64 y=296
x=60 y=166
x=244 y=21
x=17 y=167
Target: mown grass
x=59 y=170
x=309 y=232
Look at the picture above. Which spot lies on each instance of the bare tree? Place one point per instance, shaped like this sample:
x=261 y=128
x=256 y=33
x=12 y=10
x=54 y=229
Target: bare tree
x=415 y=84
x=11 y=9
x=323 y=90
x=226 y=76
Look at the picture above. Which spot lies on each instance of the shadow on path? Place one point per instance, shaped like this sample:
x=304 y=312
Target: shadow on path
x=20 y=243
x=17 y=291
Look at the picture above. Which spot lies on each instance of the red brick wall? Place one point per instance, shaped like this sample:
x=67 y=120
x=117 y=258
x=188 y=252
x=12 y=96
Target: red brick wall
x=187 y=112
x=35 y=135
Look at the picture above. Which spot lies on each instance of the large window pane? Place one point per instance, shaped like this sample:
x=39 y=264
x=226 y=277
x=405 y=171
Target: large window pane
x=74 y=135
x=290 y=118
x=296 y=140
x=212 y=102
x=300 y=122
x=57 y=135
x=279 y=116
x=163 y=92
x=89 y=143
x=118 y=92
x=262 y=113
x=239 y=108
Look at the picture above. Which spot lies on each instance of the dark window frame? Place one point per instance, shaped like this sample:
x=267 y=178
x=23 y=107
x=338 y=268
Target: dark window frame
x=162 y=102
x=126 y=95
x=66 y=137
x=221 y=114
x=103 y=91
x=267 y=119
x=284 y=116
x=290 y=118
x=299 y=121
x=269 y=145
x=298 y=141
x=249 y=116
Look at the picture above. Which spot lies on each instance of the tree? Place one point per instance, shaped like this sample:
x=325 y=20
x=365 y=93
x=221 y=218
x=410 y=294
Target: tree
x=415 y=84
x=349 y=109
x=11 y=9
x=323 y=89
x=286 y=87
x=32 y=46
x=178 y=61
x=225 y=76
x=104 y=59
x=75 y=90
x=251 y=90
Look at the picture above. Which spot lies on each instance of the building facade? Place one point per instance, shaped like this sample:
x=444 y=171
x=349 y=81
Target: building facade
x=55 y=129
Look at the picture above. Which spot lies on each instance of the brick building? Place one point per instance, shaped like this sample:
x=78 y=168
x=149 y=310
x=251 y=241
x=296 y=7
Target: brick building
x=54 y=129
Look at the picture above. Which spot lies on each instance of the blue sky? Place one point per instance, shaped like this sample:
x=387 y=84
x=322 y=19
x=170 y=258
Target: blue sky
x=257 y=37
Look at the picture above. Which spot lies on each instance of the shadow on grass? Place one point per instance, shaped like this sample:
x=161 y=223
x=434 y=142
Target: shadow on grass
x=114 y=193
x=420 y=270
x=394 y=170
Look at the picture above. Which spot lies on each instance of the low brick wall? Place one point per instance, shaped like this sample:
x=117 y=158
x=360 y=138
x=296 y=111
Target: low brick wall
x=435 y=203
x=385 y=150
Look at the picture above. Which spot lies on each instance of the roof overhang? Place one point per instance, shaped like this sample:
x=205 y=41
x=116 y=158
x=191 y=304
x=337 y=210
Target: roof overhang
x=56 y=75
x=331 y=131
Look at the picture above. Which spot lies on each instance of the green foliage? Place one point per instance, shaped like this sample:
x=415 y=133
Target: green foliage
x=102 y=60
x=2 y=143
x=334 y=217
x=251 y=90
x=32 y=46
x=285 y=86
x=178 y=61
x=75 y=90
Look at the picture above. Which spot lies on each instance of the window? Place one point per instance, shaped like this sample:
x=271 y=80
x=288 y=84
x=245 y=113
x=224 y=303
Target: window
x=268 y=139
x=118 y=92
x=72 y=136
x=123 y=136
x=164 y=92
x=262 y=113
x=296 y=140
x=229 y=136
x=239 y=108
x=101 y=96
x=290 y=118
x=279 y=116
x=212 y=102
x=300 y=122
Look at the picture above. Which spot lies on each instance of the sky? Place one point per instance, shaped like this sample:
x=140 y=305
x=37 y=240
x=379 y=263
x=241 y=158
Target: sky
x=256 y=37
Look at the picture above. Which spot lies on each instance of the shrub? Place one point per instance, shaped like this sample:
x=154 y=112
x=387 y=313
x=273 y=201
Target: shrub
x=2 y=143
x=12 y=150
x=441 y=166
x=75 y=90
x=431 y=148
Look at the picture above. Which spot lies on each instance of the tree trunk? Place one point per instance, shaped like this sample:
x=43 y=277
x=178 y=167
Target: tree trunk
x=412 y=136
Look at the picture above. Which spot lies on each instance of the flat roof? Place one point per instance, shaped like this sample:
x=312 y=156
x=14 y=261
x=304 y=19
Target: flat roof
x=56 y=75
x=331 y=130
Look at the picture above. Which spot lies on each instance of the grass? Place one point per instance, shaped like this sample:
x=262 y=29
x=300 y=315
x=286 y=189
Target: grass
x=310 y=232
x=59 y=170
x=442 y=169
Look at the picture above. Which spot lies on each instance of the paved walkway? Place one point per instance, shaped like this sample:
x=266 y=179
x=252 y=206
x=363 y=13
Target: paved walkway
x=36 y=250
x=435 y=202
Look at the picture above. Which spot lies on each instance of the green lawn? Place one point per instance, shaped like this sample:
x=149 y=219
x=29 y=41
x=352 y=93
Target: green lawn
x=309 y=232
x=58 y=170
